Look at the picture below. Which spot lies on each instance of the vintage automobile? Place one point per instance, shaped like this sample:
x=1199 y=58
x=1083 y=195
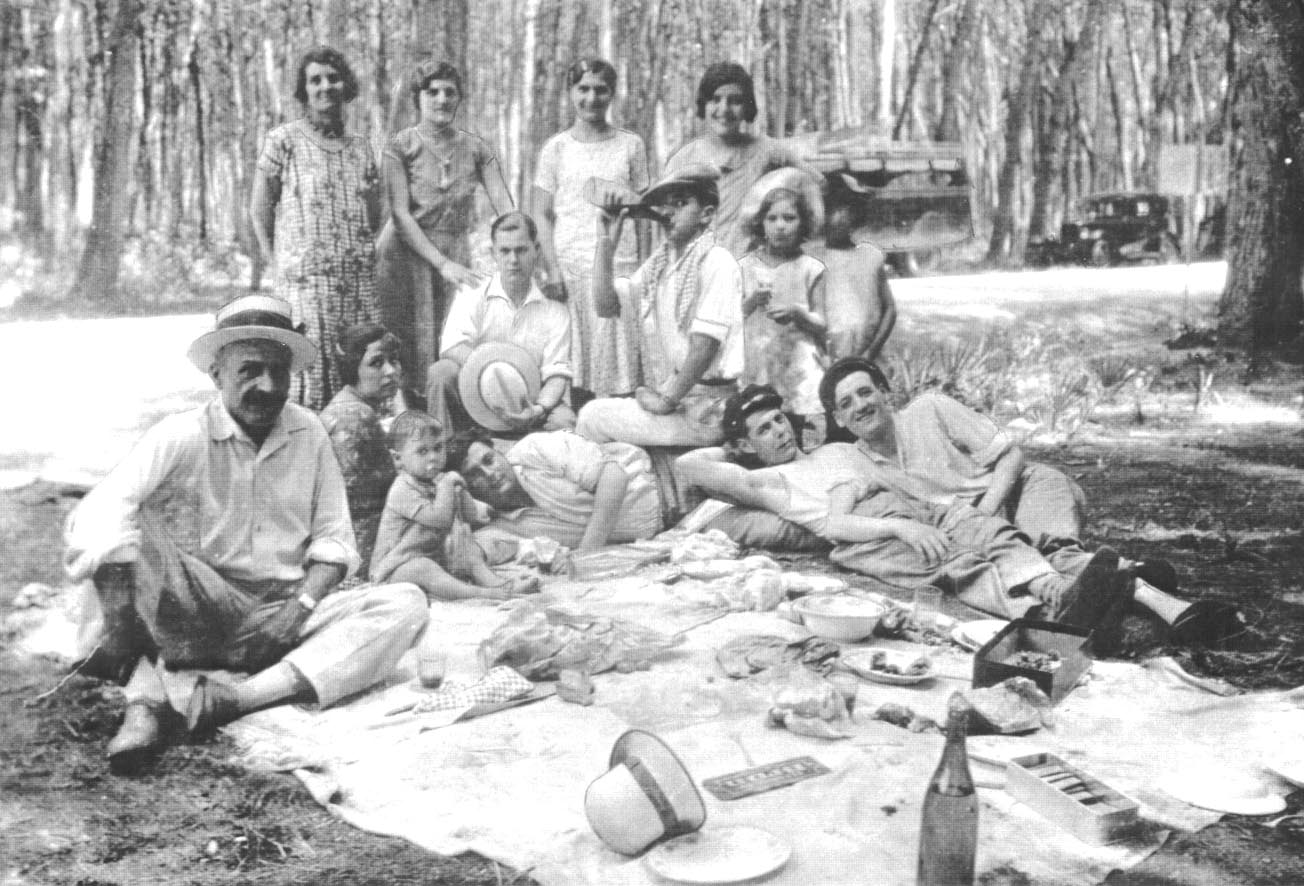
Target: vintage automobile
x=913 y=198
x=1113 y=229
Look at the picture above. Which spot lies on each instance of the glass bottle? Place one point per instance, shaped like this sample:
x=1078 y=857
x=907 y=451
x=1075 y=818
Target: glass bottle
x=948 y=835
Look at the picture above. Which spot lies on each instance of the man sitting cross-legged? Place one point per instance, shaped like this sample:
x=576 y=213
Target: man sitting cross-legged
x=217 y=543
x=985 y=561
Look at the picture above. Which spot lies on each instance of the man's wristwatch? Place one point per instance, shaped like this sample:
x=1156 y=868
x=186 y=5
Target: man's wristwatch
x=306 y=601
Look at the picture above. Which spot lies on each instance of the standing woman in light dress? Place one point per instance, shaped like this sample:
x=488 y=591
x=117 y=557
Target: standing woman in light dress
x=315 y=208
x=432 y=171
x=604 y=352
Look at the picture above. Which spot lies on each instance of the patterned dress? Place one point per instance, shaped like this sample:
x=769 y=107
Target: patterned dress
x=604 y=352
x=358 y=439
x=442 y=181
x=325 y=258
x=782 y=354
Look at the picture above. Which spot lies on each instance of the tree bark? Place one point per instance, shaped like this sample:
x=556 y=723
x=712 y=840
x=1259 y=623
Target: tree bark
x=955 y=71
x=1007 y=240
x=97 y=275
x=1261 y=304
x=1054 y=131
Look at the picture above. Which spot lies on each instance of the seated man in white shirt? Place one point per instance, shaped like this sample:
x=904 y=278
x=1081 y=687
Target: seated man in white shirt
x=218 y=543
x=688 y=299
x=510 y=308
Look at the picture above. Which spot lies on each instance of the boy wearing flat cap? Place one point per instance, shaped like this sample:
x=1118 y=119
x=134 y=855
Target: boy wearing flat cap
x=688 y=298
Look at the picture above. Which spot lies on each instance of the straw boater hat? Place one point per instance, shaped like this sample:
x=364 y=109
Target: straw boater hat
x=253 y=317
x=497 y=375
x=647 y=795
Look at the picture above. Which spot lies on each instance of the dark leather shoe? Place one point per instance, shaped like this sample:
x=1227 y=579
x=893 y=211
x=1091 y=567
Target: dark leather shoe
x=1207 y=623
x=1094 y=592
x=139 y=739
x=212 y=706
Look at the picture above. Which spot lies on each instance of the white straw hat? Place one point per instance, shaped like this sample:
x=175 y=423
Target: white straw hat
x=647 y=795
x=252 y=317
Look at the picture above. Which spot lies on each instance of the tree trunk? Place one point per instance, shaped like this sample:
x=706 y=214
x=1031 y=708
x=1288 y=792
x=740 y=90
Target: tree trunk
x=1054 y=132
x=97 y=275
x=1007 y=241
x=886 y=60
x=916 y=61
x=955 y=72
x=1261 y=304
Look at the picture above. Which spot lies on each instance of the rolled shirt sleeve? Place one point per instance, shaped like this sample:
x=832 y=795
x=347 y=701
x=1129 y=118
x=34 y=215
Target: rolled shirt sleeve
x=970 y=431
x=718 y=312
x=461 y=326
x=555 y=359
x=332 y=531
x=104 y=527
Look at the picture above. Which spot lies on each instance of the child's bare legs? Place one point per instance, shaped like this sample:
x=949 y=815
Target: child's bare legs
x=466 y=558
x=438 y=584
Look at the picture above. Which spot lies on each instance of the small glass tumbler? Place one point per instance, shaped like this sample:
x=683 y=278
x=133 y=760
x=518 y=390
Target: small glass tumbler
x=431 y=663
x=928 y=605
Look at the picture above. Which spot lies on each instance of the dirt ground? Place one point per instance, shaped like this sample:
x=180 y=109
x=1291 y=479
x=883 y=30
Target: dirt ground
x=1216 y=492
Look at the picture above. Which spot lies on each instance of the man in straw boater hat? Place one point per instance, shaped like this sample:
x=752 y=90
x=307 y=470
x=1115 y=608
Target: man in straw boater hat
x=687 y=298
x=216 y=544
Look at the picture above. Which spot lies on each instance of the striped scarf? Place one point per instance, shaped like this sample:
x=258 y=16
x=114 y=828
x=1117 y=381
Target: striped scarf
x=688 y=285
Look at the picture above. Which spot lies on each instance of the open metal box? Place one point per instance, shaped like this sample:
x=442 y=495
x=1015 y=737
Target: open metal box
x=1070 y=643
x=1088 y=808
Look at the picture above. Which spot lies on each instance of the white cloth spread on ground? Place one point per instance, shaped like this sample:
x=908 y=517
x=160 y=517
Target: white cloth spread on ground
x=511 y=785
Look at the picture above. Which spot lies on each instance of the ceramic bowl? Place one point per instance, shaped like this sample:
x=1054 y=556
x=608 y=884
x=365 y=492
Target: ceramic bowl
x=839 y=616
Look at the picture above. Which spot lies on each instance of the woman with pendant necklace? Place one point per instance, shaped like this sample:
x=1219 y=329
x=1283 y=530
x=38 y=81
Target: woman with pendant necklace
x=431 y=173
x=604 y=352
x=316 y=208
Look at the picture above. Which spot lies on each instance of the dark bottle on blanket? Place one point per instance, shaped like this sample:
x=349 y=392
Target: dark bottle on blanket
x=948 y=835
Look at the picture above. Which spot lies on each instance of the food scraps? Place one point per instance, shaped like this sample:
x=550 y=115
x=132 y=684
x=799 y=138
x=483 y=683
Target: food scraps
x=1037 y=661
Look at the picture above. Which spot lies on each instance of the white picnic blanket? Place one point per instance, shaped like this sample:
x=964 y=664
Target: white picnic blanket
x=510 y=785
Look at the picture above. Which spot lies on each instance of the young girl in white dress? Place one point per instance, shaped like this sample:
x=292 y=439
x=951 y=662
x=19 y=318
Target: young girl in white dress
x=784 y=321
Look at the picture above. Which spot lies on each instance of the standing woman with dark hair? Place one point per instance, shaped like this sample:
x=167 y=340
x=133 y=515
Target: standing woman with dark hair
x=315 y=208
x=726 y=99
x=432 y=171
x=604 y=352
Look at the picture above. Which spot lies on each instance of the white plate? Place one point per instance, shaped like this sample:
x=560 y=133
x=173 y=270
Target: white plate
x=1237 y=793
x=1288 y=765
x=719 y=855
x=860 y=660
x=973 y=634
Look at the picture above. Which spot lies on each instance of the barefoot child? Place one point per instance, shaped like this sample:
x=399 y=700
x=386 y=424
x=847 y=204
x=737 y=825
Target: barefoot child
x=783 y=309
x=424 y=508
x=861 y=309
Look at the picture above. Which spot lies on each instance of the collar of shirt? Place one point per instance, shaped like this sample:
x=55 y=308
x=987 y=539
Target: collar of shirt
x=221 y=426
x=494 y=289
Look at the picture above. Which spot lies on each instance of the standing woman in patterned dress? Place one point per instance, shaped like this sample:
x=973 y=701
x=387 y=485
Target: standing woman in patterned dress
x=432 y=171
x=316 y=208
x=604 y=352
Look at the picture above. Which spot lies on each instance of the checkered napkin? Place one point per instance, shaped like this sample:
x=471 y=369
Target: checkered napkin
x=500 y=684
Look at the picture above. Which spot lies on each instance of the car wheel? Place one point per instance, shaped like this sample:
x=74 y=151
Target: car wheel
x=1102 y=256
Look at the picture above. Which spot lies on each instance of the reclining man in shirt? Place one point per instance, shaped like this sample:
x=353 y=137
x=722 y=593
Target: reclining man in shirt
x=985 y=561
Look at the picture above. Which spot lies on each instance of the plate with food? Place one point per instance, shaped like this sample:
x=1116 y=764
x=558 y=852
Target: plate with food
x=889 y=666
x=972 y=635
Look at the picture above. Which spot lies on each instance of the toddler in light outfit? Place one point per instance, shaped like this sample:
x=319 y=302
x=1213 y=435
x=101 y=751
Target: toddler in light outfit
x=424 y=537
